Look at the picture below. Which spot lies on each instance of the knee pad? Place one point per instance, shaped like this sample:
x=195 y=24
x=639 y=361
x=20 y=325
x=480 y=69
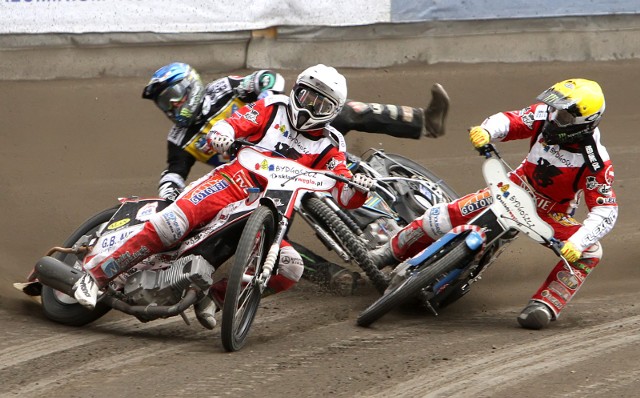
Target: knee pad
x=593 y=251
x=436 y=221
x=290 y=265
x=171 y=224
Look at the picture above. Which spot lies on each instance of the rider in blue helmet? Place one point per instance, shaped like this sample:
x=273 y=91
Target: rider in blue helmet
x=178 y=91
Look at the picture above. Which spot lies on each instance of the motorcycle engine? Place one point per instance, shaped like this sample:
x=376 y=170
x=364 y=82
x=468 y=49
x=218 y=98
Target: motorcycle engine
x=167 y=286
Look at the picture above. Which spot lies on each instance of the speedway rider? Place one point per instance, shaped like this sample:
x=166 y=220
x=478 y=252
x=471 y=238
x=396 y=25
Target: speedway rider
x=296 y=127
x=566 y=161
x=194 y=108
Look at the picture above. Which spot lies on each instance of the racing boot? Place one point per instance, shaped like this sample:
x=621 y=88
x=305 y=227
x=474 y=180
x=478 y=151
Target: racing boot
x=435 y=113
x=383 y=256
x=205 y=310
x=86 y=291
x=535 y=315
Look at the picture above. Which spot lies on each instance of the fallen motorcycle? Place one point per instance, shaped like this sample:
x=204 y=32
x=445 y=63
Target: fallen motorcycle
x=445 y=270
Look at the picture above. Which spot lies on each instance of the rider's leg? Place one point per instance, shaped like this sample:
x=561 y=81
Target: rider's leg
x=198 y=205
x=424 y=230
x=559 y=287
x=290 y=269
x=395 y=120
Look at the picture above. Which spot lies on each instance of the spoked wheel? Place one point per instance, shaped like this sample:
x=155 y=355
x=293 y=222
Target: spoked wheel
x=424 y=277
x=243 y=294
x=356 y=248
x=60 y=307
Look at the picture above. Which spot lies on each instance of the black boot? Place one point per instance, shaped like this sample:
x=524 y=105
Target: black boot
x=436 y=112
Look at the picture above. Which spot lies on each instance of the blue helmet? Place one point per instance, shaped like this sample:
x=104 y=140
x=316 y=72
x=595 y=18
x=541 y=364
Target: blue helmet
x=178 y=91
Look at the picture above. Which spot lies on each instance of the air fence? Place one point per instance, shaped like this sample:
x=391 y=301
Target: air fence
x=47 y=39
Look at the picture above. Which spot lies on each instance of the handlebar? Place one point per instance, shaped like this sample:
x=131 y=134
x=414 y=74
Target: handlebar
x=486 y=151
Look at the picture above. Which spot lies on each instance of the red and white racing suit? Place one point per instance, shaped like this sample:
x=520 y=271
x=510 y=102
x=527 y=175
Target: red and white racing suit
x=264 y=123
x=560 y=176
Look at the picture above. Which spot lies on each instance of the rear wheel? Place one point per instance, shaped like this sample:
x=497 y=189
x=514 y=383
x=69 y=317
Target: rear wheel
x=243 y=294
x=421 y=278
x=60 y=307
x=417 y=197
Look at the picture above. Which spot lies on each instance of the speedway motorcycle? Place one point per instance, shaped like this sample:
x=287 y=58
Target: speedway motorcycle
x=405 y=191
x=445 y=271
x=258 y=247
x=168 y=283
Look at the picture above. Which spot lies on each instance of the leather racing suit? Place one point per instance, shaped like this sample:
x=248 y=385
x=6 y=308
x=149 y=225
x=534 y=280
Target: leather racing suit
x=226 y=95
x=561 y=176
x=265 y=123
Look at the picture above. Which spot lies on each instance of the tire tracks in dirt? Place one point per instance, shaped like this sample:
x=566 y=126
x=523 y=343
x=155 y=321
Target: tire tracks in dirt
x=478 y=376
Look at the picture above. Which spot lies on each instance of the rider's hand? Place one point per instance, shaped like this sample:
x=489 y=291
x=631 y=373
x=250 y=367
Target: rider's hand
x=169 y=191
x=479 y=136
x=570 y=252
x=220 y=143
x=363 y=182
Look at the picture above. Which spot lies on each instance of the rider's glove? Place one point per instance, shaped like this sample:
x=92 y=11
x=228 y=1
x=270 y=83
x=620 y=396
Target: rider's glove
x=570 y=252
x=219 y=142
x=363 y=182
x=479 y=136
x=169 y=191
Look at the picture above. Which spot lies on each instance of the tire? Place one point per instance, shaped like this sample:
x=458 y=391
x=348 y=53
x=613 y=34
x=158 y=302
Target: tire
x=349 y=240
x=242 y=299
x=420 y=170
x=60 y=307
x=412 y=286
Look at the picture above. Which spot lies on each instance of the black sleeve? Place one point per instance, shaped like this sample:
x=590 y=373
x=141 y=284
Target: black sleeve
x=178 y=161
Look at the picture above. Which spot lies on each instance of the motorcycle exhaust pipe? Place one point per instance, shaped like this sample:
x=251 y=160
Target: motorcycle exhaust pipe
x=56 y=274
x=151 y=312
x=60 y=276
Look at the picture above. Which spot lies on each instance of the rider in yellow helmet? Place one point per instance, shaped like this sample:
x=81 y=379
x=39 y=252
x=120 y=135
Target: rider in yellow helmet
x=566 y=162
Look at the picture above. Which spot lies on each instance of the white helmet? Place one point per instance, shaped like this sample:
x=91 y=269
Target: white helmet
x=316 y=98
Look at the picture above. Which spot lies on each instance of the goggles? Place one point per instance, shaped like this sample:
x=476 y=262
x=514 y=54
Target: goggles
x=561 y=117
x=314 y=102
x=173 y=97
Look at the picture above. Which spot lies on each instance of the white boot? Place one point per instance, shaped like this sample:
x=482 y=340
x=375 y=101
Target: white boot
x=205 y=312
x=86 y=291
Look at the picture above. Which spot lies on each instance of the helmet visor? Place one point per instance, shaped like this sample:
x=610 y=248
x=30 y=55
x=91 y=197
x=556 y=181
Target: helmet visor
x=173 y=97
x=561 y=117
x=314 y=102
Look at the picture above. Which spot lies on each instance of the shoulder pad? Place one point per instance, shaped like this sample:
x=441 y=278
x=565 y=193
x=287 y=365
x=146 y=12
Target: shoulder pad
x=336 y=137
x=276 y=99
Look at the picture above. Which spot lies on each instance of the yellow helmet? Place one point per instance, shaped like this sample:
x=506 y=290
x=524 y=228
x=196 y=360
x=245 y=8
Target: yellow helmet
x=576 y=106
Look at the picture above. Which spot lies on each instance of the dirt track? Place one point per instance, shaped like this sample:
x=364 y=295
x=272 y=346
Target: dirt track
x=69 y=148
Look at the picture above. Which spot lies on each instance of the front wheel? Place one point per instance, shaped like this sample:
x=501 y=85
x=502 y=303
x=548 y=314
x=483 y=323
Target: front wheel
x=243 y=294
x=414 y=283
x=356 y=248
x=60 y=307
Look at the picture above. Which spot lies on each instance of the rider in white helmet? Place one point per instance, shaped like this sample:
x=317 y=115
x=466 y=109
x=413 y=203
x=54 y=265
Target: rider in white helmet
x=193 y=107
x=296 y=127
